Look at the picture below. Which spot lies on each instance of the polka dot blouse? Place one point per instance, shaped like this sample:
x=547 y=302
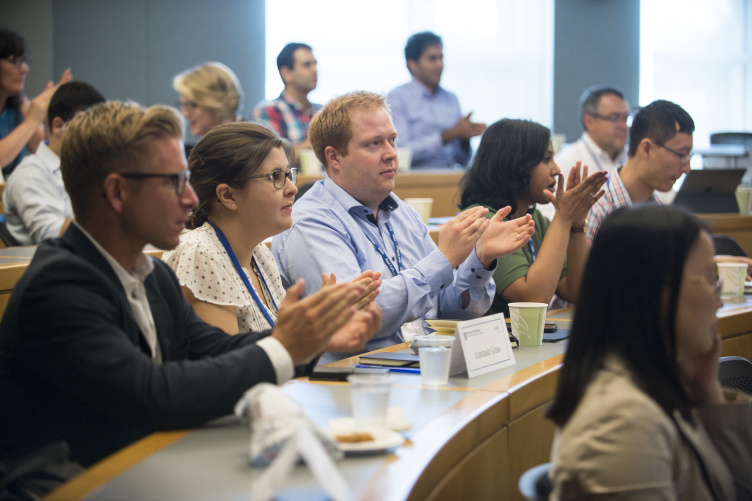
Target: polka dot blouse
x=203 y=266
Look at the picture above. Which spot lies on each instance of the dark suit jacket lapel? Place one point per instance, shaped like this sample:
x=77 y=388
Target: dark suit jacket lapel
x=165 y=322
x=82 y=247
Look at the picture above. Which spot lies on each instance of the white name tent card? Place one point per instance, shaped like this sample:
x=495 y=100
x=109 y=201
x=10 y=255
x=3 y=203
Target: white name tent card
x=483 y=346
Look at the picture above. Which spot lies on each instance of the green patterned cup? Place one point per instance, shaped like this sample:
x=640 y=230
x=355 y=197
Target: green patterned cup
x=732 y=275
x=528 y=320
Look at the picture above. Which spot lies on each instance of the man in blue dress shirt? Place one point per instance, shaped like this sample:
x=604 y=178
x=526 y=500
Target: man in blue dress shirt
x=427 y=116
x=351 y=222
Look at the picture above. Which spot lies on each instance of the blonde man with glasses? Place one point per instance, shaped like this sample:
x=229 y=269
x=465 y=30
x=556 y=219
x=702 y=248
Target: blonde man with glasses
x=98 y=347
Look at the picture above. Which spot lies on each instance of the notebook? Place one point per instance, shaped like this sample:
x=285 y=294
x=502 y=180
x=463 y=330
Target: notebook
x=709 y=191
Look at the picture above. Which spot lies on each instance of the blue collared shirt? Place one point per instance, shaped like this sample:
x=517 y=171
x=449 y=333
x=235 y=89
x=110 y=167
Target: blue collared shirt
x=420 y=117
x=329 y=235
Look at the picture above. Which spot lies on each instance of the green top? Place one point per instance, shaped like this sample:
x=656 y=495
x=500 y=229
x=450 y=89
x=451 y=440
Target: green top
x=515 y=265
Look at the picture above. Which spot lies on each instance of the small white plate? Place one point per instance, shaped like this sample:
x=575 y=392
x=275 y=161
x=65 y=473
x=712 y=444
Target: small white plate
x=437 y=322
x=383 y=439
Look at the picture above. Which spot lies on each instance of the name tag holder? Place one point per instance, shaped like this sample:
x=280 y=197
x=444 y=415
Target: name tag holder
x=481 y=346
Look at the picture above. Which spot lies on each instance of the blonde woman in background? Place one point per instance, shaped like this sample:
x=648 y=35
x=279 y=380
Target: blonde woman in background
x=210 y=95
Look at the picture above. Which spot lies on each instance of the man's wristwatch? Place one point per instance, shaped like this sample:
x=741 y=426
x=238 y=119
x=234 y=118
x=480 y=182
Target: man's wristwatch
x=579 y=229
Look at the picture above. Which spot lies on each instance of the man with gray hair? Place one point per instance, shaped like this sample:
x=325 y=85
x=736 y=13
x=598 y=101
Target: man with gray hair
x=604 y=114
x=603 y=145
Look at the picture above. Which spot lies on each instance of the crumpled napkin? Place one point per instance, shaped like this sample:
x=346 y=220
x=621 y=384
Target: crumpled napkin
x=281 y=434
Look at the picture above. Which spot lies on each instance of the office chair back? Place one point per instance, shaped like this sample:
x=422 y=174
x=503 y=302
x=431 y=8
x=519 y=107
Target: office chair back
x=735 y=373
x=534 y=483
x=727 y=246
x=742 y=138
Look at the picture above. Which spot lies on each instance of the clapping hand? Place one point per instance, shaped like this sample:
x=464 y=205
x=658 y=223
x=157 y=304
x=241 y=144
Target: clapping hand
x=581 y=194
x=371 y=280
x=305 y=327
x=38 y=106
x=458 y=236
x=354 y=335
x=503 y=237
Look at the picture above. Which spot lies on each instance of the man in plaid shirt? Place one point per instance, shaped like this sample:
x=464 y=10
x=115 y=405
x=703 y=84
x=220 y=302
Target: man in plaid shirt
x=290 y=113
x=660 y=146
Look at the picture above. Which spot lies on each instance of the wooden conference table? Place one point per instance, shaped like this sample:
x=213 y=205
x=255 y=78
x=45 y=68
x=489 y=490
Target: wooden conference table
x=469 y=440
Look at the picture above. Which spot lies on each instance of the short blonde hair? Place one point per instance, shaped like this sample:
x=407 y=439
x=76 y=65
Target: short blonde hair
x=331 y=125
x=213 y=86
x=111 y=137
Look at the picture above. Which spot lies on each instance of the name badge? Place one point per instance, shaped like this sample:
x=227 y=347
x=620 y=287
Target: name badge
x=483 y=346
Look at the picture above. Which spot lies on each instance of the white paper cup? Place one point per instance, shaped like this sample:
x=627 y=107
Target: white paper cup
x=434 y=353
x=422 y=206
x=369 y=398
x=404 y=158
x=528 y=320
x=309 y=164
x=733 y=276
x=744 y=198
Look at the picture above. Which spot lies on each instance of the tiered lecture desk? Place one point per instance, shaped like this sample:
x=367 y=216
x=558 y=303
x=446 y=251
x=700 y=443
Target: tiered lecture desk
x=469 y=440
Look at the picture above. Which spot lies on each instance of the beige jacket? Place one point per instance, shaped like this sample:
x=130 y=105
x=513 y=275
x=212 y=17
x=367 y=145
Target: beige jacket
x=619 y=444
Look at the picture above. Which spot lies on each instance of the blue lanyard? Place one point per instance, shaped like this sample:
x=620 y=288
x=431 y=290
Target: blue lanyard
x=244 y=277
x=532 y=249
x=395 y=271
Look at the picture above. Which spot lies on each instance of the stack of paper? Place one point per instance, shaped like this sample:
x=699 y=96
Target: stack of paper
x=443 y=327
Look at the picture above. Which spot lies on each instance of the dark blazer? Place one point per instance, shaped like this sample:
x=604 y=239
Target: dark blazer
x=74 y=365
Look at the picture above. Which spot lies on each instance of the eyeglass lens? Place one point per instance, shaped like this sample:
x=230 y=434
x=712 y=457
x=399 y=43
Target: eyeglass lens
x=279 y=177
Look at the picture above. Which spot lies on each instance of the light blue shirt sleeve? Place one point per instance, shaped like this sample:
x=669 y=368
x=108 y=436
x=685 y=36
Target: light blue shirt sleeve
x=333 y=240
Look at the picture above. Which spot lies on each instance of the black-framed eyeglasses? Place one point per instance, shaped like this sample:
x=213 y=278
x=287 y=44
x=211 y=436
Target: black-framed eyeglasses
x=178 y=180
x=684 y=157
x=187 y=105
x=613 y=117
x=17 y=61
x=279 y=177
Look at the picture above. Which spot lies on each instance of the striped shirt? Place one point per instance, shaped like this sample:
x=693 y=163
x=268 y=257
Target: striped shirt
x=616 y=196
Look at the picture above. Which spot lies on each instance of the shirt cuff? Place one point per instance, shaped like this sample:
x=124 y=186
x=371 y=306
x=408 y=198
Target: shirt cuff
x=436 y=270
x=279 y=357
x=478 y=275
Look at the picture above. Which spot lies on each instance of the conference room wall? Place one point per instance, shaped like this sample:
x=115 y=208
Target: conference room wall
x=131 y=49
x=596 y=42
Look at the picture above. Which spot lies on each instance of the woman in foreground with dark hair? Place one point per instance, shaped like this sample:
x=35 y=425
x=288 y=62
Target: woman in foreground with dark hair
x=515 y=166
x=640 y=413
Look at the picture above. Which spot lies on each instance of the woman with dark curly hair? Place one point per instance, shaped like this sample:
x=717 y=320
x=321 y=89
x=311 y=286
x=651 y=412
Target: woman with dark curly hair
x=21 y=119
x=515 y=166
